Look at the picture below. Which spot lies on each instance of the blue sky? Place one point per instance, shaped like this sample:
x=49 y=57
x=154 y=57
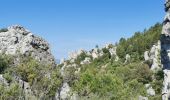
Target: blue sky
x=70 y=25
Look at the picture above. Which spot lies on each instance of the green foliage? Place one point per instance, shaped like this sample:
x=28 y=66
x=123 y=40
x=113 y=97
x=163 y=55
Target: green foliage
x=114 y=81
x=143 y=74
x=43 y=78
x=10 y=93
x=5 y=62
x=28 y=70
x=102 y=79
x=8 y=77
x=158 y=82
x=81 y=57
x=138 y=43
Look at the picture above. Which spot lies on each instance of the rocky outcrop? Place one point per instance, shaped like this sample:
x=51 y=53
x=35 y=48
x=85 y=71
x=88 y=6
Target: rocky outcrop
x=26 y=89
x=112 y=49
x=17 y=40
x=86 y=61
x=150 y=90
x=127 y=57
x=165 y=52
x=96 y=53
x=74 y=55
x=65 y=92
x=153 y=57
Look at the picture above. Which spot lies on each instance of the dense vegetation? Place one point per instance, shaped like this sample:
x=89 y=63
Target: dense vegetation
x=106 y=78
x=139 y=43
x=43 y=79
x=115 y=80
x=102 y=79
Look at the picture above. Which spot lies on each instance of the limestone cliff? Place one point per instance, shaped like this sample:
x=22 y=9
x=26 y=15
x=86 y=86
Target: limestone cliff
x=17 y=40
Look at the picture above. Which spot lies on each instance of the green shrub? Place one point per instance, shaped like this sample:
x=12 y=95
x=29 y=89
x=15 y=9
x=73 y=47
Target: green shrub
x=139 y=43
x=114 y=81
x=8 y=77
x=11 y=92
x=5 y=62
x=43 y=78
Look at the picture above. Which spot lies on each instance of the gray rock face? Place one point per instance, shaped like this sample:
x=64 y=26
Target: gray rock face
x=96 y=53
x=150 y=90
x=165 y=52
x=142 y=98
x=86 y=61
x=112 y=51
x=65 y=91
x=127 y=58
x=74 y=55
x=26 y=89
x=146 y=55
x=17 y=40
x=154 y=56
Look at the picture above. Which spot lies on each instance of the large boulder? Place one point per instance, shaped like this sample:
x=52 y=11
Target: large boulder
x=19 y=41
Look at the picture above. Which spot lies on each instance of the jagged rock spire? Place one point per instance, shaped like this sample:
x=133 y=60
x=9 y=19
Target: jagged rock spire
x=165 y=52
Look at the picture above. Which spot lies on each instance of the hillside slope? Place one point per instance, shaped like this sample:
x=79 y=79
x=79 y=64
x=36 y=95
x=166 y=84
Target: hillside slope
x=115 y=72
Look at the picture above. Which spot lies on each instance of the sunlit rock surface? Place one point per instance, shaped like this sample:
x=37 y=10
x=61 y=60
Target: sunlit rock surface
x=19 y=41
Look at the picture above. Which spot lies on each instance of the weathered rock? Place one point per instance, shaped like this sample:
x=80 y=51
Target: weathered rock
x=165 y=52
x=150 y=90
x=113 y=53
x=26 y=89
x=96 y=53
x=142 y=98
x=166 y=84
x=17 y=40
x=65 y=91
x=127 y=58
x=154 y=56
x=146 y=55
x=86 y=61
x=74 y=55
